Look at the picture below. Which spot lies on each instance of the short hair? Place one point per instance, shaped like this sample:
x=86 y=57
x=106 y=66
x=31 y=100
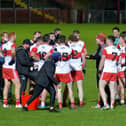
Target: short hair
x=11 y=34
x=76 y=31
x=46 y=38
x=2 y=34
x=51 y=33
x=36 y=32
x=111 y=38
x=62 y=39
x=27 y=42
x=57 y=29
x=116 y=28
x=39 y=39
x=73 y=38
x=123 y=35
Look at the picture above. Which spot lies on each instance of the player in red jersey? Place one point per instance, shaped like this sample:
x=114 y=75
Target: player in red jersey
x=43 y=50
x=9 y=70
x=76 y=64
x=108 y=64
x=34 y=52
x=4 y=39
x=122 y=67
x=63 y=71
x=77 y=34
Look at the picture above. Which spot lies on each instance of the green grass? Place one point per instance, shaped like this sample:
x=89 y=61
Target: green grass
x=85 y=116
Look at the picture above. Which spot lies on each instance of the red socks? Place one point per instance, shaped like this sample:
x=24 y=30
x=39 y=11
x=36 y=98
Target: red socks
x=17 y=101
x=60 y=105
x=5 y=101
x=98 y=103
x=81 y=104
x=72 y=104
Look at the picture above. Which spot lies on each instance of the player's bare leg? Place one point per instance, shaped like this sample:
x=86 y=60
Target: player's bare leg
x=43 y=98
x=65 y=95
x=71 y=94
x=117 y=96
x=17 y=85
x=59 y=95
x=5 y=93
x=122 y=90
x=98 y=102
x=80 y=91
x=112 y=86
x=102 y=84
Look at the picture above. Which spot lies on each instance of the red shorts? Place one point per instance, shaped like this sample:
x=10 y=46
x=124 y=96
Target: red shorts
x=121 y=75
x=108 y=76
x=66 y=78
x=9 y=74
x=77 y=75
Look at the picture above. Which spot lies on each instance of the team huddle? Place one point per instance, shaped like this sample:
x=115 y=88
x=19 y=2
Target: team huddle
x=46 y=62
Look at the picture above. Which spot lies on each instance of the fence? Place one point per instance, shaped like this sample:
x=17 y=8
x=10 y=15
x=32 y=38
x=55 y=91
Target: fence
x=55 y=15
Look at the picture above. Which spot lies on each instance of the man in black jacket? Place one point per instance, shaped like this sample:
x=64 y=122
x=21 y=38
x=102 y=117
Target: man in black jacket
x=100 y=40
x=45 y=80
x=23 y=64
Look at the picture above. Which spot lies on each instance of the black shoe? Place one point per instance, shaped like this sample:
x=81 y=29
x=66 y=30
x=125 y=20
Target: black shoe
x=25 y=108
x=53 y=110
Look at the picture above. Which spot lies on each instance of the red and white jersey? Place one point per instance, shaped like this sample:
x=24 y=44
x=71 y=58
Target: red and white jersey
x=123 y=56
x=43 y=50
x=31 y=47
x=78 y=48
x=63 y=66
x=6 y=48
x=111 y=58
x=34 y=49
x=83 y=43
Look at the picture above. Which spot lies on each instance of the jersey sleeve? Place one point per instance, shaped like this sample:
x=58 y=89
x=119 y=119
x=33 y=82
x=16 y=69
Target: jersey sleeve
x=104 y=52
x=14 y=46
x=83 y=49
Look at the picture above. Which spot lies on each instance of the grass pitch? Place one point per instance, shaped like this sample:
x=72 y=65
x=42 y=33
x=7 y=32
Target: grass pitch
x=85 y=116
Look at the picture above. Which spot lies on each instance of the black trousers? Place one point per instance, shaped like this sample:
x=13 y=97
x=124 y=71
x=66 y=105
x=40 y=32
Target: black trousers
x=23 y=79
x=38 y=90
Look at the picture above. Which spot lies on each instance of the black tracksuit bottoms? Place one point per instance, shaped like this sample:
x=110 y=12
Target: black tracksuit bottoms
x=38 y=90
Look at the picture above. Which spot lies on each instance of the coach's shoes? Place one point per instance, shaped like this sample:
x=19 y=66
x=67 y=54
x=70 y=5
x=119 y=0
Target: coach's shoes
x=24 y=108
x=5 y=106
x=18 y=106
x=53 y=110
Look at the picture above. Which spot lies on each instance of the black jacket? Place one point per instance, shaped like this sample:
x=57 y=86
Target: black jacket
x=97 y=55
x=23 y=61
x=46 y=74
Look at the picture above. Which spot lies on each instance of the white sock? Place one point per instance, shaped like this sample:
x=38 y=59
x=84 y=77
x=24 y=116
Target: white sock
x=42 y=103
